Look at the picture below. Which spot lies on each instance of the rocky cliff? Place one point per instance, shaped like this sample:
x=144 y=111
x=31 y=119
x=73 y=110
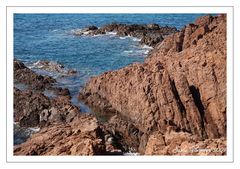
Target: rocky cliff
x=180 y=88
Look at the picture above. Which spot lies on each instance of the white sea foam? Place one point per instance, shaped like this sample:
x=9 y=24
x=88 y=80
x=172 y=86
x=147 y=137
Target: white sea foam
x=111 y=33
x=124 y=37
x=146 y=52
x=136 y=39
x=147 y=47
x=98 y=35
x=128 y=51
x=34 y=129
x=86 y=33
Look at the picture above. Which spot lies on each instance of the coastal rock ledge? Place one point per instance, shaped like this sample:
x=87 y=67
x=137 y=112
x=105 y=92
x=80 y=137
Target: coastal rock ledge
x=177 y=97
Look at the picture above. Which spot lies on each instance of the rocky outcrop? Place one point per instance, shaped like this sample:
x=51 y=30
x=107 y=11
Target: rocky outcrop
x=33 y=109
x=58 y=119
x=23 y=74
x=80 y=137
x=53 y=67
x=181 y=85
x=35 y=81
x=150 y=34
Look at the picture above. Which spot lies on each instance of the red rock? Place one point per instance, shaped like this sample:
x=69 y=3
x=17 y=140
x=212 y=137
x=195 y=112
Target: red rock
x=182 y=84
x=80 y=137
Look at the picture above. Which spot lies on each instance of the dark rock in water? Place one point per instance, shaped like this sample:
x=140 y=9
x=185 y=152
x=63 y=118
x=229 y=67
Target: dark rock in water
x=151 y=34
x=18 y=65
x=24 y=75
x=153 y=26
x=91 y=28
x=33 y=109
x=71 y=72
x=21 y=134
x=60 y=91
x=152 y=39
x=31 y=80
x=180 y=89
x=52 y=66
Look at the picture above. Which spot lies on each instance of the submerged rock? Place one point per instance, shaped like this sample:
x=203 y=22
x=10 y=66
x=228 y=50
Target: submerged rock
x=52 y=66
x=181 y=85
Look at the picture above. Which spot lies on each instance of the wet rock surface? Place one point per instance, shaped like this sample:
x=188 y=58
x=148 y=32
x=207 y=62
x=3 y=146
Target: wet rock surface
x=53 y=67
x=150 y=34
x=32 y=109
x=34 y=81
x=23 y=74
x=181 y=87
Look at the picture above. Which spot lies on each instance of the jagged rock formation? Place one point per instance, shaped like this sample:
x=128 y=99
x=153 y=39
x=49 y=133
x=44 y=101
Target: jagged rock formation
x=150 y=34
x=80 y=137
x=32 y=108
x=180 y=87
x=84 y=135
x=34 y=81
x=23 y=74
x=63 y=129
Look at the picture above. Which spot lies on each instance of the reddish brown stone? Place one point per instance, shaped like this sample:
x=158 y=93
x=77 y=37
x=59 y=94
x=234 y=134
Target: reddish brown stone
x=182 y=84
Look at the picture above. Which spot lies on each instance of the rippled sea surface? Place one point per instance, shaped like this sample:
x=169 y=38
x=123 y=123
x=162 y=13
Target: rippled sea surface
x=49 y=37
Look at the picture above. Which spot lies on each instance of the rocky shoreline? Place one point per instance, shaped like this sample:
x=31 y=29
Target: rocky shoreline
x=150 y=34
x=63 y=128
x=172 y=104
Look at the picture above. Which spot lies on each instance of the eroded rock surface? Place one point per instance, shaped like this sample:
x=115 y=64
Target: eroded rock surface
x=34 y=81
x=182 y=143
x=80 y=137
x=23 y=74
x=181 y=85
x=33 y=109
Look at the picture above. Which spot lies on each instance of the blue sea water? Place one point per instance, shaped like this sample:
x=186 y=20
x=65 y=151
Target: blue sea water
x=49 y=37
